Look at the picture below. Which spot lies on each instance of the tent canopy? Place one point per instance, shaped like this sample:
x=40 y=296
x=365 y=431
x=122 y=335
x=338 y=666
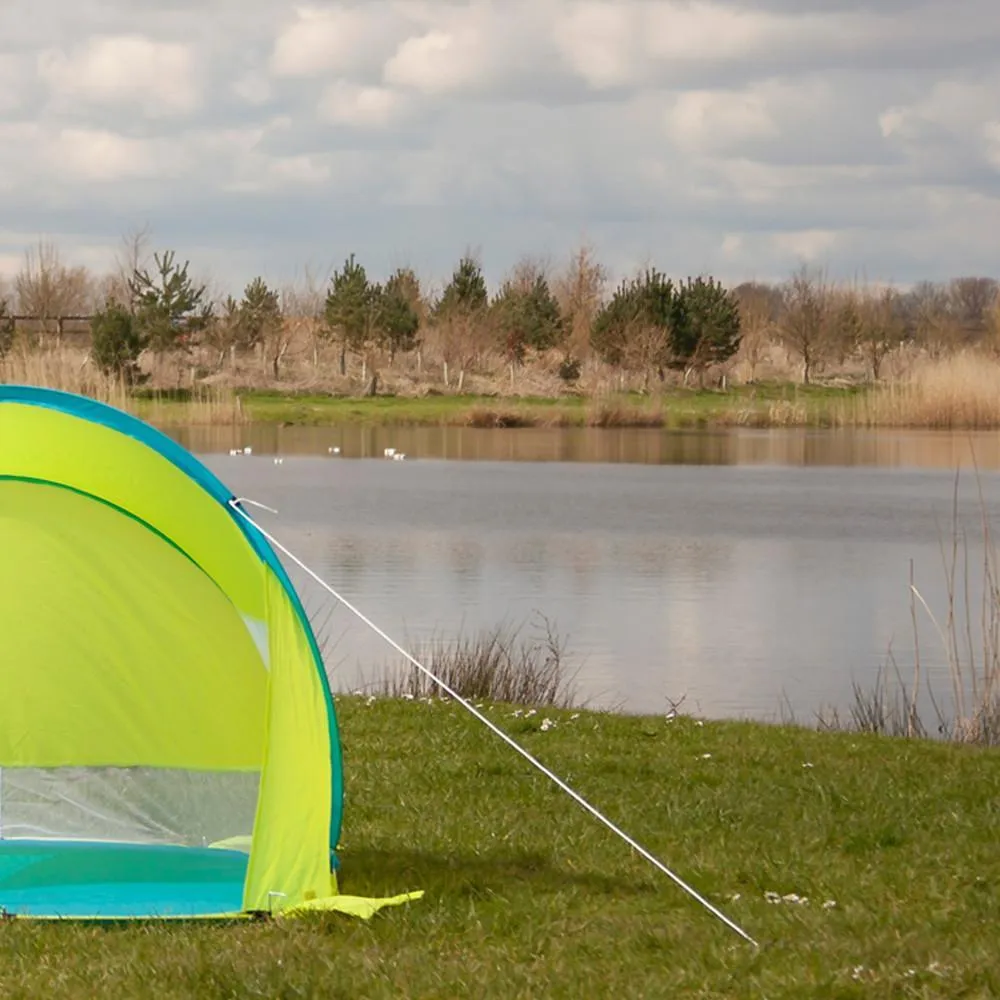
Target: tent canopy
x=168 y=742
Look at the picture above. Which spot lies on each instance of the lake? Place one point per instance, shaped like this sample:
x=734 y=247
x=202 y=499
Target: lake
x=741 y=573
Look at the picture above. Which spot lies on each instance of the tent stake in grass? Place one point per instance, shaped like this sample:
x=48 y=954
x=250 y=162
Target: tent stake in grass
x=469 y=707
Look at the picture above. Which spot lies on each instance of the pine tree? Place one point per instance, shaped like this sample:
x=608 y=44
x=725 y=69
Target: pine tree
x=169 y=306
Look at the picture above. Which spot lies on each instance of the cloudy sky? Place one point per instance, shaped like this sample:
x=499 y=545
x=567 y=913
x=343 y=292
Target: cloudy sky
x=737 y=137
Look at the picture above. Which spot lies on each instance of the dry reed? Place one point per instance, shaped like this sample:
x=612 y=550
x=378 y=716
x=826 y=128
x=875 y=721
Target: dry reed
x=618 y=413
x=961 y=392
x=71 y=370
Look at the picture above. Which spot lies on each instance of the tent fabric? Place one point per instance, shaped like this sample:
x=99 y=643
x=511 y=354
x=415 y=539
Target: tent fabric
x=147 y=629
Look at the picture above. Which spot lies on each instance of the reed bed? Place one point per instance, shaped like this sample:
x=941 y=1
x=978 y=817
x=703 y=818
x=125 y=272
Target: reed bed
x=70 y=370
x=961 y=392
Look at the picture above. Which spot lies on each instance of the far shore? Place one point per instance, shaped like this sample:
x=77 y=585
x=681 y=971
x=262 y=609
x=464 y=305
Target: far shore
x=958 y=392
x=764 y=405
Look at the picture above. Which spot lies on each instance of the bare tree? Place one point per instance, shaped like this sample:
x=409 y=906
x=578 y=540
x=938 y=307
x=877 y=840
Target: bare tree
x=646 y=344
x=760 y=306
x=970 y=301
x=579 y=290
x=302 y=320
x=804 y=328
x=881 y=328
x=133 y=257
x=47 y=289
x=993 y=326
x=929 y=318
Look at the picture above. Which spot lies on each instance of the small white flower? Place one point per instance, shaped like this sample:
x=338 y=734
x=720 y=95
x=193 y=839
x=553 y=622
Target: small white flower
x=857 y=971
x=407 y=696
x=575 y=715
x=516 y=714
x=807 y=764
x=547 y=724
x=829 y=904
x=699 y=723
x=772 y=897
x=734 y=898
x=706 y=756
x=371 y=699
x=530 y=713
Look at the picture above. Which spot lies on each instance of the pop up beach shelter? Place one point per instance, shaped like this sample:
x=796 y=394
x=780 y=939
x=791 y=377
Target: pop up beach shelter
x=168 y=742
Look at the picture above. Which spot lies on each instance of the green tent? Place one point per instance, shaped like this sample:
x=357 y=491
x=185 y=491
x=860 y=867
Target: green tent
x=168 y=741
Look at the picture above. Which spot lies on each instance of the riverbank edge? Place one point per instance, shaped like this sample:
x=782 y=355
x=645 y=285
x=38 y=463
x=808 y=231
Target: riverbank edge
x=777 y=405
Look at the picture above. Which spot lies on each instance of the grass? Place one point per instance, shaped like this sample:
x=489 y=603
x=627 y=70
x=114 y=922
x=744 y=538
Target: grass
x=527 y=896
x=774 y=404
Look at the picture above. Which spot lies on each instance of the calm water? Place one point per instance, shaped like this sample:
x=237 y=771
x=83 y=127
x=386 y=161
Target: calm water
x=741 y=572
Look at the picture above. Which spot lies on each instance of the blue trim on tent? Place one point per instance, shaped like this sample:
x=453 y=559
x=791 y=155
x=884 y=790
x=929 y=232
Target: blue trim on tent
x=131 y=426
x=99 y=880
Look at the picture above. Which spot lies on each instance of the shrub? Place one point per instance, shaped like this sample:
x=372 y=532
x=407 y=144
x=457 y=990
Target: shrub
x=117 y=343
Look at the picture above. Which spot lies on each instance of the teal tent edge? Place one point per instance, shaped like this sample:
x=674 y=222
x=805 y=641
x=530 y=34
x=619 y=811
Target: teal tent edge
x=125 y=423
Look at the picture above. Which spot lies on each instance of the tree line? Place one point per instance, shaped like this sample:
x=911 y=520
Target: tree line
x=648 y=324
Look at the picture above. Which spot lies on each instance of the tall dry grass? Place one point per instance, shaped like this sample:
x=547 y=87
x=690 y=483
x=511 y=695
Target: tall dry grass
x=960 y=392
x=967 y=629
x=70 y=370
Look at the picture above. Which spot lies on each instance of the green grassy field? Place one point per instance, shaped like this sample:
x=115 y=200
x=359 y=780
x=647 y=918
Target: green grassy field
x=759 y=405
x=892 y=843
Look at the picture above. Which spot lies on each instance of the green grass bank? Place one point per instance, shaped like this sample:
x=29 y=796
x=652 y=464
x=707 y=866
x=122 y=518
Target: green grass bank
x=886 y=850
x=758 y=406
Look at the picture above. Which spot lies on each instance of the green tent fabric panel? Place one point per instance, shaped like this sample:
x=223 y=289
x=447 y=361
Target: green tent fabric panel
x=47 y=444
x=290 y=859
x=50 y=435
x=117 y=649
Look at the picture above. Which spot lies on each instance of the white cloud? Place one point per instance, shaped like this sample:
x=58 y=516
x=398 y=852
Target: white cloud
x=696 y=31
x=12 y=79
x=806 y=244
x=161 y=78
x=746 y=134
x=344 y=103
x=991 y=136
x=94 y=155
x=253 y=88
x=322 y=40
x=437 y=62
x=709 y=121
x=955 y=106
x=599 y=41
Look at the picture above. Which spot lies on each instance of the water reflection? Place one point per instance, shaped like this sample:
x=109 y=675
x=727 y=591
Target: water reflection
x=643 y=446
